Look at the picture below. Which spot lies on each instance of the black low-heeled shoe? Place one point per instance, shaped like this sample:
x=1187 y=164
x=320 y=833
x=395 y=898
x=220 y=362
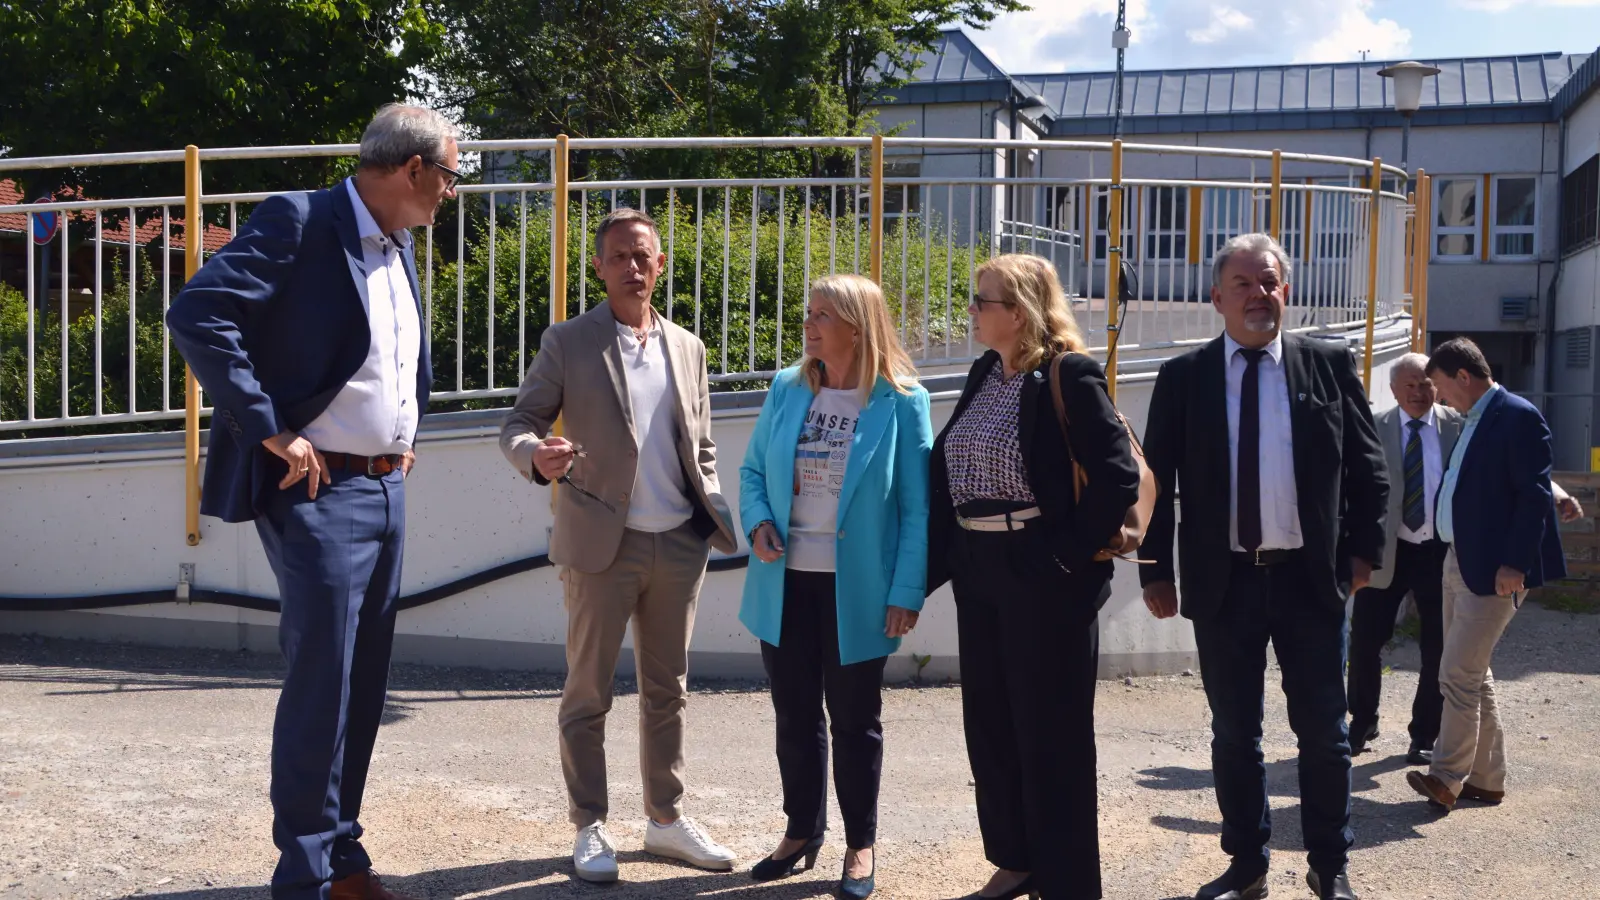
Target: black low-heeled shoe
x=1024 y=888
x=857 y=888
x=769 y=869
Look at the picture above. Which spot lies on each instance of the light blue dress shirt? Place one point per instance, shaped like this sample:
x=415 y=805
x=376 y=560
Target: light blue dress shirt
x=1447 y=491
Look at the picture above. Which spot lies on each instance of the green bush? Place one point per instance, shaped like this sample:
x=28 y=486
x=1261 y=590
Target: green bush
x=80 y=368
x=461 y=291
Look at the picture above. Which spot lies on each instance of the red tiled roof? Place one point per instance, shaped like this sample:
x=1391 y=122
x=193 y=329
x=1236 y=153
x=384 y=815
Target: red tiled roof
x=148 y=232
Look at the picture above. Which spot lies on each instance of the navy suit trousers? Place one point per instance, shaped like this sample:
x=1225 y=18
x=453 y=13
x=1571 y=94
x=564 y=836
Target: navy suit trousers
x=337 y=560
x=1278 y=604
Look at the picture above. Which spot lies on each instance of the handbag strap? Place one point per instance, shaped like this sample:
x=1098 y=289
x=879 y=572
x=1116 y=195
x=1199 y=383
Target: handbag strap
x=1078 y=475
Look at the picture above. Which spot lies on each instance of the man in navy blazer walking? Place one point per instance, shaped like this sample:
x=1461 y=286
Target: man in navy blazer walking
x=306 y=333
x=1496 y=512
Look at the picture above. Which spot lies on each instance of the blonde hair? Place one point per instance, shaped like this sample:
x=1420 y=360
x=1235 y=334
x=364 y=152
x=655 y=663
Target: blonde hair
x=860 y=304
x=1029 y=284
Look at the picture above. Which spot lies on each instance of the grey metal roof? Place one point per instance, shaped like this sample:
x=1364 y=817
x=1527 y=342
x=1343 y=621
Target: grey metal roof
x=1333 y=87
x=1578 y=87
x=954 y=57
x=1470 y=90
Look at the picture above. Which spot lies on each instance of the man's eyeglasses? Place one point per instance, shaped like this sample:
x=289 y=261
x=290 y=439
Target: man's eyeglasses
x=454 y=176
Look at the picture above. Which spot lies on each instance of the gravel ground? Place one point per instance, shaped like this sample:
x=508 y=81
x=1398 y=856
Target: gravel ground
x=129 y=771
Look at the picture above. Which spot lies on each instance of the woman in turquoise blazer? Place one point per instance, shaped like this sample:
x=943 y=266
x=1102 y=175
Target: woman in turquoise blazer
x=834 y=499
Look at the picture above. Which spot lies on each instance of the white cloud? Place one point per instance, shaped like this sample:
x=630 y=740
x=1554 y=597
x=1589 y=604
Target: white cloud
x=1224 y=19
x=1058 y=35
x=1498 y=6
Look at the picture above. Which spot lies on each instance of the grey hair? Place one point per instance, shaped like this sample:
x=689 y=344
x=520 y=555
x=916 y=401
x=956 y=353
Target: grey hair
x=399 y=131
x=1414 y=362
x=1252 y=243
x=620 y=216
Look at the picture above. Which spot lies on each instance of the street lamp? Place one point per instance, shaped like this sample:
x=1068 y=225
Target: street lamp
x=1408 y=78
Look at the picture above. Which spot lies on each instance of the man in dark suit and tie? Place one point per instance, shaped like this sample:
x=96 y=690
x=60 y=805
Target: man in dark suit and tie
x=306 y=332
x=1418 y=436
x=1269 y=441
x=1496 y=511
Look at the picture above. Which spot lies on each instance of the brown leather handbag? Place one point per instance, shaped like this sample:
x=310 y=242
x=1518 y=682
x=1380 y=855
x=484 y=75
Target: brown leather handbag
x=1137 y=520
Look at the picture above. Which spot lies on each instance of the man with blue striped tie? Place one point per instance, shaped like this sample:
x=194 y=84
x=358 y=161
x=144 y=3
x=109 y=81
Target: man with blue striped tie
x=1418 y=436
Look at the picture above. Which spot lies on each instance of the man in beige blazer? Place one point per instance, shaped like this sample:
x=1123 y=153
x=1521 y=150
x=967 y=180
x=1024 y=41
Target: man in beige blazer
x=1418 y=435
x=637 y=506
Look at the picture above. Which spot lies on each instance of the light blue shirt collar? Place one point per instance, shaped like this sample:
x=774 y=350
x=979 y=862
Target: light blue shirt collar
x=1476 y=412
x=366 y=225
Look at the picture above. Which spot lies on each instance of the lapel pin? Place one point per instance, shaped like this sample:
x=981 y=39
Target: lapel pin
x=1302 y=398
x=1038 y=375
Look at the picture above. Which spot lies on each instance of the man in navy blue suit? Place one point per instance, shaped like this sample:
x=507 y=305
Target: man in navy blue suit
x=1496 y=511
x=306 y=333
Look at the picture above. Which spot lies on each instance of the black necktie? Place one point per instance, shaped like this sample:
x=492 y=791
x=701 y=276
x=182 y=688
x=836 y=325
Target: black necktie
x=1250 y=450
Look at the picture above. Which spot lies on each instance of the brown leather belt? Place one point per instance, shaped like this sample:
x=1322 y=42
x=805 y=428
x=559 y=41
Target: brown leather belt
x=367 y=465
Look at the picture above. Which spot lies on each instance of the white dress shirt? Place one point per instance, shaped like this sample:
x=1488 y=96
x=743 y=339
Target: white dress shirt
x=376 y=411
x=1432 y=472
x=1280 y=503
x=660 y=498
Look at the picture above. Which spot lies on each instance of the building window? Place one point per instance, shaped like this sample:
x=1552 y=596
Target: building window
x=901 y=200
x=1580 y=206
x=1102 y=221
x=1228 y=212
x=1516 y=208
x=1166 y=223
x=1456 y=229
x=1334 y=216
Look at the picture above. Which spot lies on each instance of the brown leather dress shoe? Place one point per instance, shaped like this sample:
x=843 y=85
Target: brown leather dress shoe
x=1469 y=792
x=1432 y=788
x=363 y=886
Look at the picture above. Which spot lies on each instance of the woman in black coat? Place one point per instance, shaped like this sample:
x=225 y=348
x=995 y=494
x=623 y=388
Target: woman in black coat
x=1019 y=550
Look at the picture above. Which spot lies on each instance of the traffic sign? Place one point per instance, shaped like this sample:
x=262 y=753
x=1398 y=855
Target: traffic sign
x=45 y=224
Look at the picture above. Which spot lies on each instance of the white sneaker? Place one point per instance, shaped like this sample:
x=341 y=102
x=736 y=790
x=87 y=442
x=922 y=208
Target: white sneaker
x=686 y=840
x=594 y=854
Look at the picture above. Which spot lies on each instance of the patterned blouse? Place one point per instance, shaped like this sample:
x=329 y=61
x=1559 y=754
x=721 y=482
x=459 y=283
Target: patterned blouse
x=982 y=453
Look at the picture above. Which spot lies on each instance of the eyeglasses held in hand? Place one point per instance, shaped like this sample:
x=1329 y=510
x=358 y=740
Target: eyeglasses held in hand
x=577 y=450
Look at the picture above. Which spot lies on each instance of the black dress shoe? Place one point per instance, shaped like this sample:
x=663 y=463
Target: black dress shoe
x=1235 y=885
x=1337 y=889
x=769 y=868
x=1024 y=888
x=858 y=888
x=1360 y=740
x=1419 y=755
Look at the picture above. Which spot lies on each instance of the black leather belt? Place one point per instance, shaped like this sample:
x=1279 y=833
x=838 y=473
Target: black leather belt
x=1263 y=557
x=374 y=466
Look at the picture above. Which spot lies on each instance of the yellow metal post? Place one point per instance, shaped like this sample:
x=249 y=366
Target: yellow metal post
x=1372 y=270
x=558 y=242
x=558 y=253
x=1113 y=266
x=1194 y=225
x=1424 y=254
x=1277 y=195
x=194 y=245
x=1410 y=261
x=875 y=207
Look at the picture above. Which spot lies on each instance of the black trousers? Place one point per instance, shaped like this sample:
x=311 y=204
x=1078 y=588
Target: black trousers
x=1419 y=569
x=1030 y=648
x=804 y=671
x=1275 y=603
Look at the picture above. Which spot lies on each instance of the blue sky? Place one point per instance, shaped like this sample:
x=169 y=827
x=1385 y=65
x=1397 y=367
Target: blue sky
x=1076 y=34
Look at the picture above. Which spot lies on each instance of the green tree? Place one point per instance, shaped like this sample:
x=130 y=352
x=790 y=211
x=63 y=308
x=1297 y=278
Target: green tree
x=99 y=76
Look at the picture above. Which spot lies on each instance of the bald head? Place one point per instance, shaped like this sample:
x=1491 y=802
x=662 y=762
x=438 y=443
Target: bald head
x=1413 y=390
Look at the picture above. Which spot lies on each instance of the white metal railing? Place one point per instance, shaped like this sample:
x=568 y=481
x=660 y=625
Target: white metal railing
x=741 y=251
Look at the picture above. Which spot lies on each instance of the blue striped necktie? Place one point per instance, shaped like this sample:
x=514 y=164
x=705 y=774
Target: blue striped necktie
x=1414 y=513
